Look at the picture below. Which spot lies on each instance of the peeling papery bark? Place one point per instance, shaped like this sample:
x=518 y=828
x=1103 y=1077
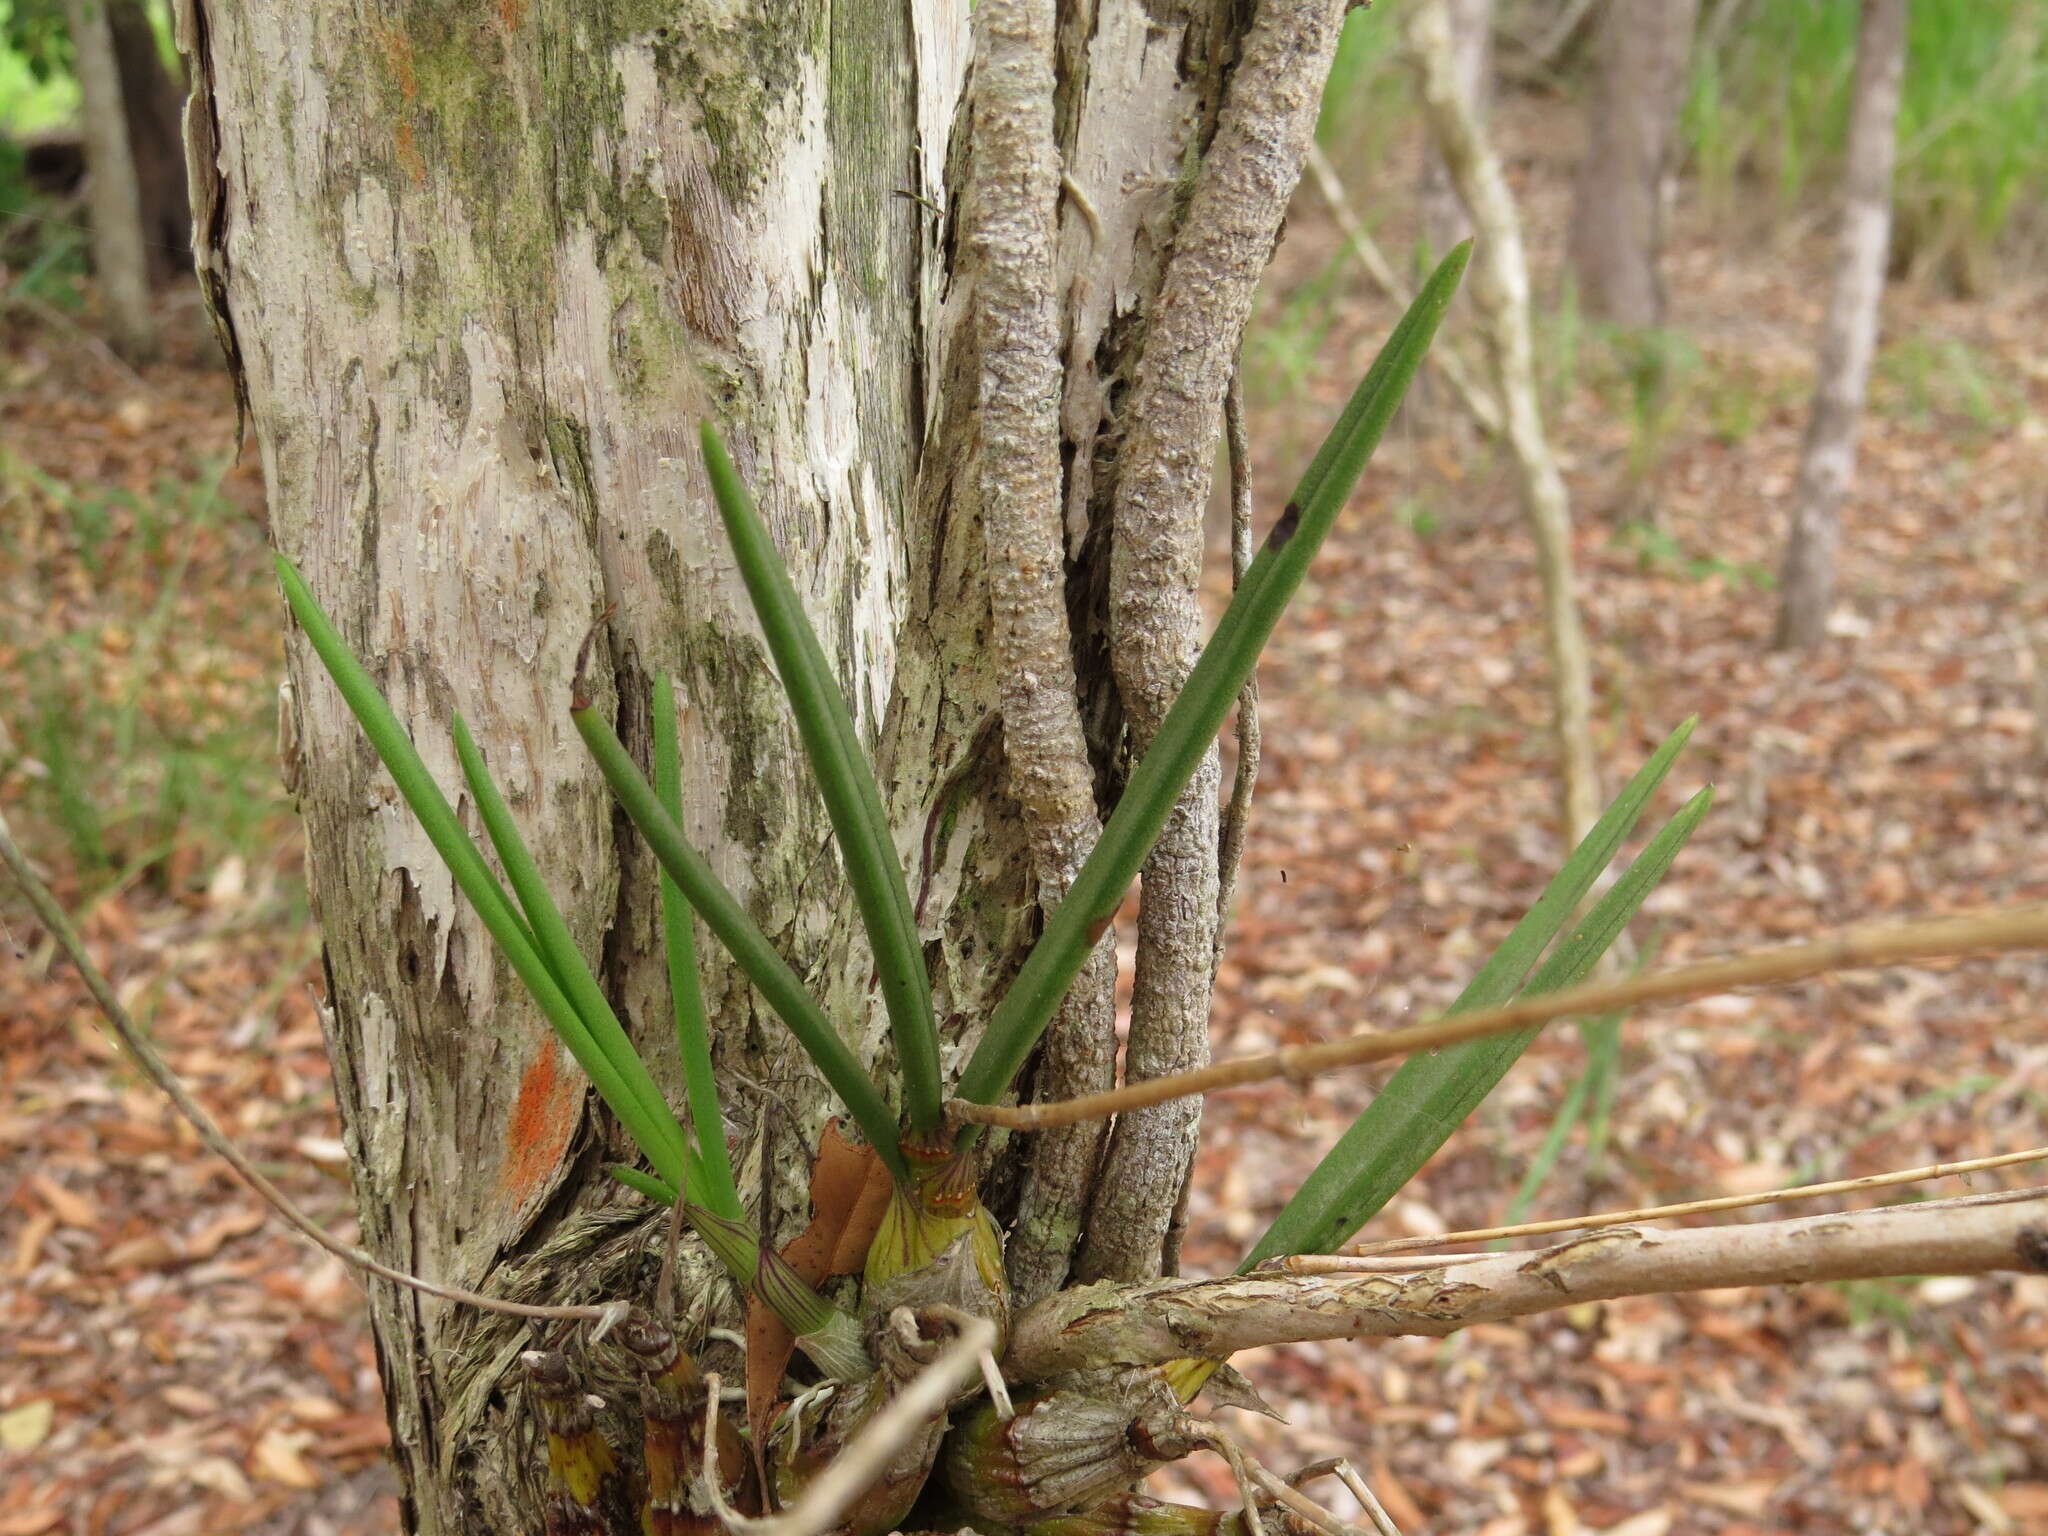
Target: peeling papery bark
x=1156 y=623
x=1105 y=1325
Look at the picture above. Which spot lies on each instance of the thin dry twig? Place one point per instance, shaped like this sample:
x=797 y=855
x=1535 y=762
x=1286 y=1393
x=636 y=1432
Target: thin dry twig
x=1240 y=1468
x=1443 y=358
x=1941 y=938
x=1281 y=1490
x=991 y=1368
x=1303 y=1263
x=1091 y=1327
x=1361 y=1490
x=849 y=1474
x=1499 y=285
x=152 y=1065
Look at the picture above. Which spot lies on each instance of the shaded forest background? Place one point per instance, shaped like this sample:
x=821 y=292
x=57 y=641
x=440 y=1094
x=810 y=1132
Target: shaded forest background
x=170 y=1364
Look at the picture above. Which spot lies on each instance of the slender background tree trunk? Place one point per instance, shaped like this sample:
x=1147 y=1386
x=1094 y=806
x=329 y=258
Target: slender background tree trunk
x=1442 y=211
x=1617 y=231
x=1848 y=341
x=153 y=102
x=1500 y=289
x=120 y=255
x=484 y=269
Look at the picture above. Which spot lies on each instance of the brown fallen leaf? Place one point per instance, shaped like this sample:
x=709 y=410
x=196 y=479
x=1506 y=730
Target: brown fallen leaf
x=207 y=1241
x=2026 y=1503
x=69 y=1207
x=1651 y=1522
x=1749 y=1498
x=153 y=1250
x=190 y=1401
x=23 y=1429
x=28 y=1243
x=1559 y=1518
x=279 y=1457
x=1400 y=1503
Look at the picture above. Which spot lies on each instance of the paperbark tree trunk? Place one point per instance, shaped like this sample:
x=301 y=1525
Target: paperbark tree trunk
x=1848 y=343
x=1618 y=210
x=481 y=271
x=120 y=255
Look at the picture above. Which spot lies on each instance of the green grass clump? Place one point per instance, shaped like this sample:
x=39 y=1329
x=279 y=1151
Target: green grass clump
x=1770 y=105
x=140 y=740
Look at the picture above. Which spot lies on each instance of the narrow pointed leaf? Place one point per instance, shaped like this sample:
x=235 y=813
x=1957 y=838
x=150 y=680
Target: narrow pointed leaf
x=642 y=1182
x=473 y=877
x=1431 y=1096
x=1212 y=687
x=726 y=918
x=693 y=1031
x=852 y=799
x=557 y=946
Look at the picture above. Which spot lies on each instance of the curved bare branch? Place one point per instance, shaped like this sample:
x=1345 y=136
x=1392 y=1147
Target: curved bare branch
x=1150 y=1324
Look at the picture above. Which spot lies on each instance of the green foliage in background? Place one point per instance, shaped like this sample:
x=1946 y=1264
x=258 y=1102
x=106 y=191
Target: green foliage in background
x=37 y=91
x=1770 y=104
x=126 y=757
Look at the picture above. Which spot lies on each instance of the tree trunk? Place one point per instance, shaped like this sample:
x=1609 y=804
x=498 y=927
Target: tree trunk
x=1500 y=289
x=119 y=247
x=484 y=270
x=153 y=101
x=1618 y=213
x=1442 y=211
x=1848 y=343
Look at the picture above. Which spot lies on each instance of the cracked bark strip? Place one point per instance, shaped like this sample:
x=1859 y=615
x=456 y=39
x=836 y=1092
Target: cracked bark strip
x=1093 y=1327
x=1016 y=186
x=1162 y=488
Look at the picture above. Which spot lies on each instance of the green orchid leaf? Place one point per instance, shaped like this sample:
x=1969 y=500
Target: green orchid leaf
x=1210 y=691
x=743 y=939
x=852 y=798
x=1431 y=1096
x=623 y=1084
x=679 y=942
x=558 y=949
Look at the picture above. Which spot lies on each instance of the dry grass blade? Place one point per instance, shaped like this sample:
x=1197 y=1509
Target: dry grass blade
x=1941 y=938
x=1305 y=1264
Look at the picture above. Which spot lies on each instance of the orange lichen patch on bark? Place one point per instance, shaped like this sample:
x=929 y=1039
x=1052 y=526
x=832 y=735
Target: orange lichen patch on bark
x=398 y=57
x=409 y=153
x=398 y=53
x=510 y=14
x=543 y=1119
